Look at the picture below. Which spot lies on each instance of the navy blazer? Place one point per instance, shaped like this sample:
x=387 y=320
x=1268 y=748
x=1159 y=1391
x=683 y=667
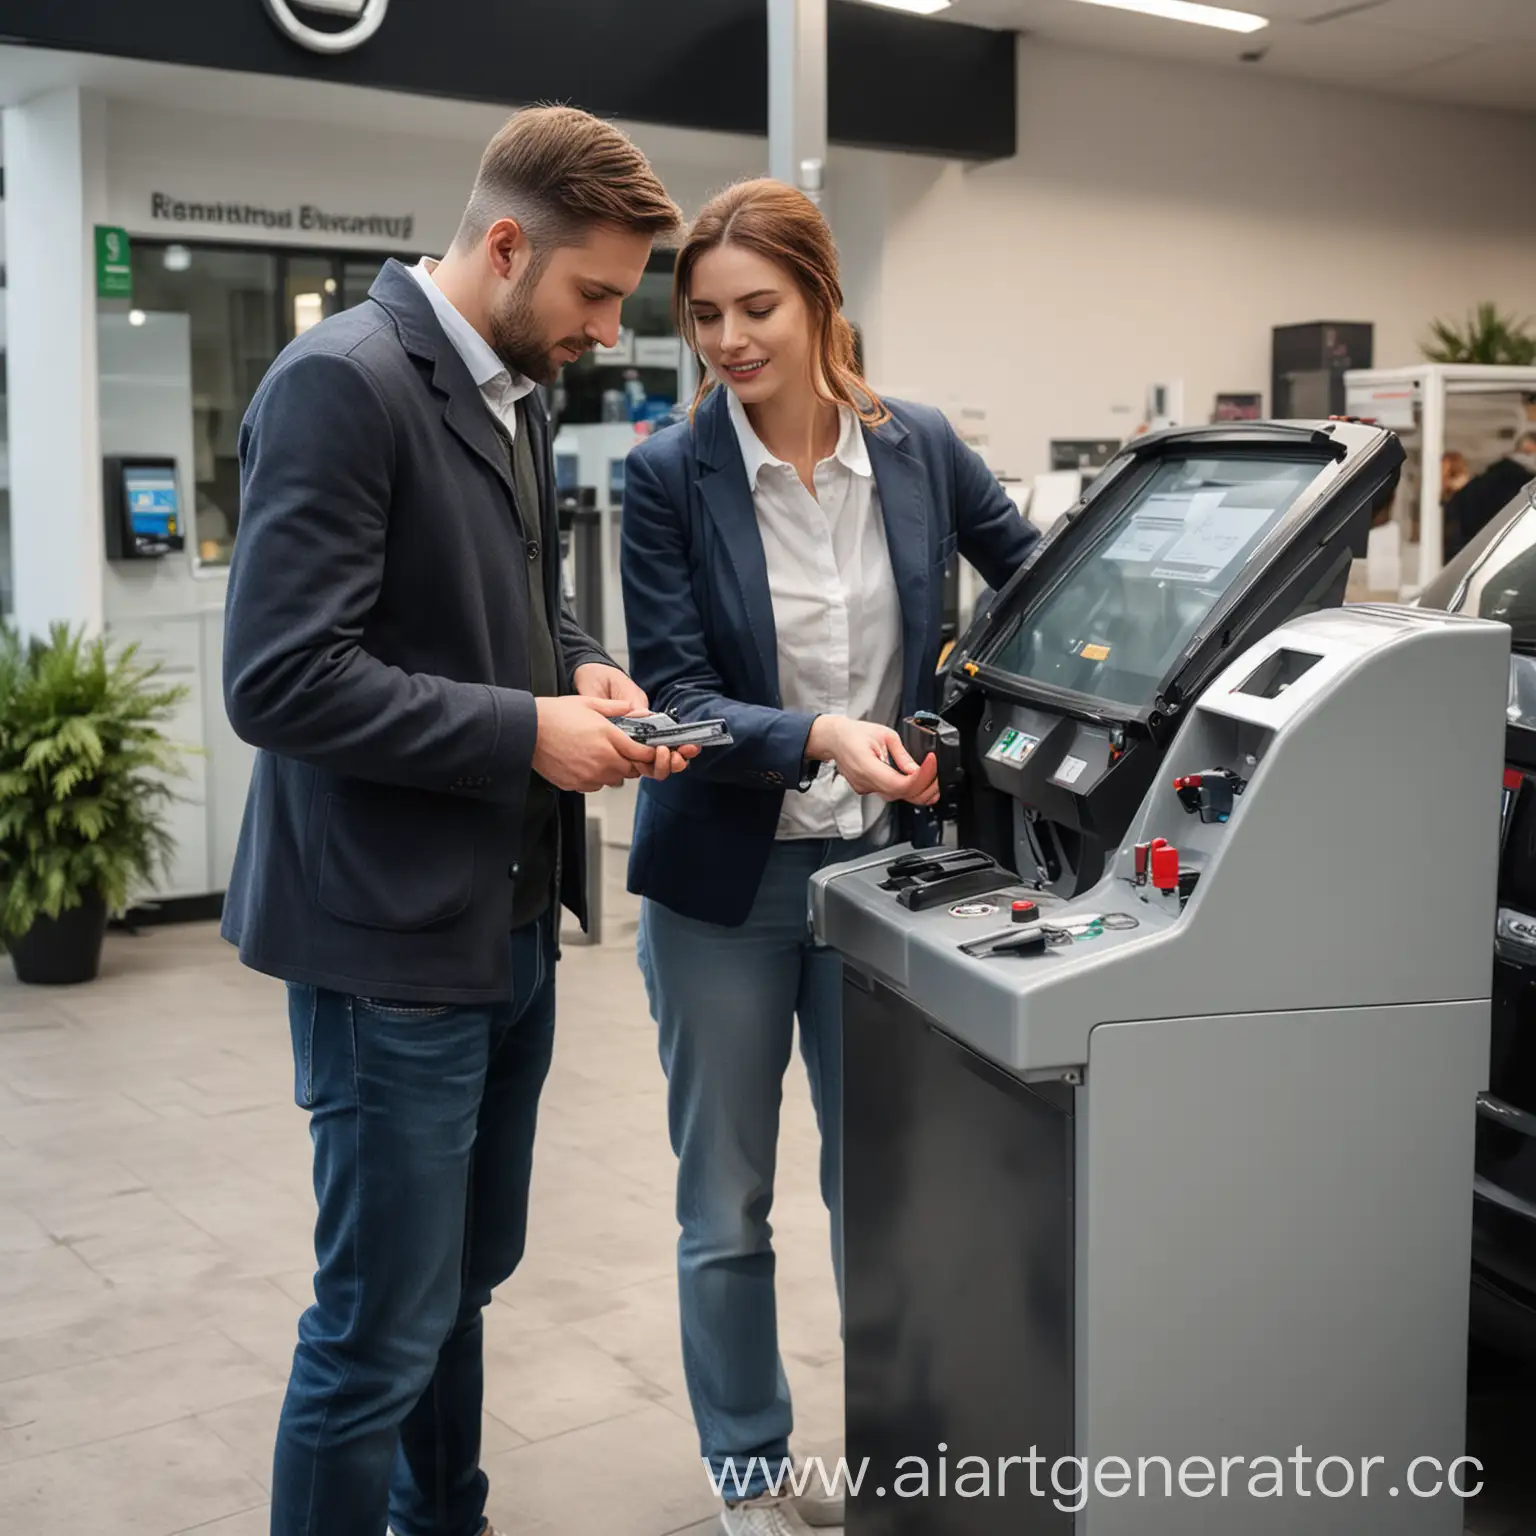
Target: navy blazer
x=376 y=653
x=702 y=640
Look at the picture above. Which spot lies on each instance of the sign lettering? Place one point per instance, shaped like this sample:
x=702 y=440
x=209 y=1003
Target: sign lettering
x=306 y=216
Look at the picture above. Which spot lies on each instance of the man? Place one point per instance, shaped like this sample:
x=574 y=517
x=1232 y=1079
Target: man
x=1482 y=498
x=427 y=715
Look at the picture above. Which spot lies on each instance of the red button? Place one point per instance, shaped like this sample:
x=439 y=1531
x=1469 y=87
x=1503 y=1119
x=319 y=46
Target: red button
x=1165 y=868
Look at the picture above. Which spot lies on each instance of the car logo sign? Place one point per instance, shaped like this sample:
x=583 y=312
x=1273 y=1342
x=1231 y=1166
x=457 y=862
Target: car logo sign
x=367 y=16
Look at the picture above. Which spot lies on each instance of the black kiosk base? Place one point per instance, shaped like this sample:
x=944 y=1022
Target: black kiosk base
x=958 y=1252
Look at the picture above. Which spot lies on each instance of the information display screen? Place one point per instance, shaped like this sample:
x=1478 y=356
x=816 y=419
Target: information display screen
x=154 y=510
x=1115 y=626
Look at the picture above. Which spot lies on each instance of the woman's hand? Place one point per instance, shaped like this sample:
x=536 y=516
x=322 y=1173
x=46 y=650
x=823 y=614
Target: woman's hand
x=872 y=759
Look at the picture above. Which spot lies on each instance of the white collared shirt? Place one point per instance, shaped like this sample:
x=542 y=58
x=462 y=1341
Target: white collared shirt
x=835 y=608
x=499 y=387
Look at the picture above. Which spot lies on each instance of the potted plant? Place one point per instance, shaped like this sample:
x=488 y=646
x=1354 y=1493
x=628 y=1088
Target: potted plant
x=1489 y=338
x=84 y=782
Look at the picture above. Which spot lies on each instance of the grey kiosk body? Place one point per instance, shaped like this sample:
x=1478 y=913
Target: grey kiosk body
x=1182 y=1181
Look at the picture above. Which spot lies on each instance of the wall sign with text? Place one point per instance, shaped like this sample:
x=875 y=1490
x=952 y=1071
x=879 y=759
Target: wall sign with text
x=252 y=218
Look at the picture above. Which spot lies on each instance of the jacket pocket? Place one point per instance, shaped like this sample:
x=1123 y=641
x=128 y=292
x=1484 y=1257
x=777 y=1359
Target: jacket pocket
x=382 y=868
x=947 y=546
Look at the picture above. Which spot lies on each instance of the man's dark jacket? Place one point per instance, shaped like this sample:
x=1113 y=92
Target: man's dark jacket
x=1481 y=500
x=376 y=653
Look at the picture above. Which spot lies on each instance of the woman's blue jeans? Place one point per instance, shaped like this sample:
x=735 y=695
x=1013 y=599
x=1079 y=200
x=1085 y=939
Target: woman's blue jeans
x=725 y=1001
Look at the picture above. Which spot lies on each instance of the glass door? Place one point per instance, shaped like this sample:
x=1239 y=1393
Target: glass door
x=245 y=304
x=311 y=289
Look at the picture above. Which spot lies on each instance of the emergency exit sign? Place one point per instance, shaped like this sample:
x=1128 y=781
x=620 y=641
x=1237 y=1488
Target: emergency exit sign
x=114 y=267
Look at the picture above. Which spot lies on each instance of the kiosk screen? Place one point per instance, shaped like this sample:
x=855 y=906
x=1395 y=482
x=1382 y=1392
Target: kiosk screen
x=1114 y=627
x=153 y=506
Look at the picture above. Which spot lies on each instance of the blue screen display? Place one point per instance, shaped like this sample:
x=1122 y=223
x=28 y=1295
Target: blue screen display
x=154 y=509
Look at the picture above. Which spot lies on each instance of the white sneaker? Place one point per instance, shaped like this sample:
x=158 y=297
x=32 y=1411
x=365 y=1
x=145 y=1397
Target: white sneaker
x=766 y=1515
x=819 y=1508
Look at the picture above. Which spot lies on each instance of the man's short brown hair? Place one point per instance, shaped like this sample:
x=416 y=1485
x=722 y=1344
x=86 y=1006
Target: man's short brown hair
x=559 y=171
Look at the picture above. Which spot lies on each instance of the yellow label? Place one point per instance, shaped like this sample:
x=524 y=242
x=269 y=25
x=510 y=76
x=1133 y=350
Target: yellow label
x=1095 y=653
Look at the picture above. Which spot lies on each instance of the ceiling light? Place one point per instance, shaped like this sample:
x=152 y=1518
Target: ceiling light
x=177 y=258
x=137 y=317
x=917 y=7
x=1188 y=10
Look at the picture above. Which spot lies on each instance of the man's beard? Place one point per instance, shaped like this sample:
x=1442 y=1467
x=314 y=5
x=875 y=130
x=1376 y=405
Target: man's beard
x=516 y=338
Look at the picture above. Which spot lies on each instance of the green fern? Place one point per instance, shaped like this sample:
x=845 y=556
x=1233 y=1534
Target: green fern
x=85 y=774
x=1489 y=338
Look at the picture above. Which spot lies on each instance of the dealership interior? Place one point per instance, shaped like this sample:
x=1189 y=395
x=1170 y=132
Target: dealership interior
x=1186 y=1157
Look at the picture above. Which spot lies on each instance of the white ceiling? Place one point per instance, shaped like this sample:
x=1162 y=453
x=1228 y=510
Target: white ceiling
x=1479 y=53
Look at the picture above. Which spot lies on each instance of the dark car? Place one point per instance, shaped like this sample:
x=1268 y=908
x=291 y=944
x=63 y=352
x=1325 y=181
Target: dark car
x=1494 y=577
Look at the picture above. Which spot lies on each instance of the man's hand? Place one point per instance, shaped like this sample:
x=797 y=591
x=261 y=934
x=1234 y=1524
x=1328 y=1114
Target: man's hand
x=596 y=680
x=873 y=761
x=670 y=760
x=578 y=749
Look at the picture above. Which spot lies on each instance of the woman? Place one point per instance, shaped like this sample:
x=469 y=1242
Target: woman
x=783 y=569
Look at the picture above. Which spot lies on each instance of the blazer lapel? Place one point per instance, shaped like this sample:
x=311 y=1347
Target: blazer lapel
x=728 y=498
x=464 y=408
x=904 y=508
x=468 y=419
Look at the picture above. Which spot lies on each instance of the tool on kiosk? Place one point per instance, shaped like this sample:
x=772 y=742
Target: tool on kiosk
x=1062 y=699
x=1172 y=1179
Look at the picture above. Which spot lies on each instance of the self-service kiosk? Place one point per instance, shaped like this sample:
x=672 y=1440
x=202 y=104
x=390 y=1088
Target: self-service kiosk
x=142 y=504
x=1192 y=544
x=1157 y=1199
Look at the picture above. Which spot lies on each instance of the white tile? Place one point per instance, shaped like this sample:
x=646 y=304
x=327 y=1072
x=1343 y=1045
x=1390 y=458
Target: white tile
x=107 y=1321
x=637 y=1475
x=168 y=1479
x=547 y=1383
x=253 y=1522
x=97 y=1117
x=642 y=1332
x=106 y=1399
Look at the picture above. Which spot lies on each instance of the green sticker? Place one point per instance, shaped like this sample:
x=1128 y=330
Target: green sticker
x=114 y=263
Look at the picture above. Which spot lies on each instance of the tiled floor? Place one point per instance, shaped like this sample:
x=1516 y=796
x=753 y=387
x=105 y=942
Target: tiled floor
x=154 y=1255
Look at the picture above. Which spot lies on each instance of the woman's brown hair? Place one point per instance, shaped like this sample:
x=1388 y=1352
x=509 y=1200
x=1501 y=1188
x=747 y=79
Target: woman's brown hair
x=785 y=226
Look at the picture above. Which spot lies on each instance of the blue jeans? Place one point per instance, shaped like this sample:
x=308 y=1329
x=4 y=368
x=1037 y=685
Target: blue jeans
x=423 y=1124
x=725 y=1001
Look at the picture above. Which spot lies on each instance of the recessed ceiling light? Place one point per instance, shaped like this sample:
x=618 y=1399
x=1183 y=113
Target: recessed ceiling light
x=177 y=258
x=917 y=7
x=1188 y=10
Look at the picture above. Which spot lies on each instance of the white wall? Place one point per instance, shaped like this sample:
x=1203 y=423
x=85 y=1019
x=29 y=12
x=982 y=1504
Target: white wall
x=1159 y=219
x=53 y=192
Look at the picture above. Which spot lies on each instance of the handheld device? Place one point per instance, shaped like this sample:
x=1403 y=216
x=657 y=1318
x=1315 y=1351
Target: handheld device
x=658 y=730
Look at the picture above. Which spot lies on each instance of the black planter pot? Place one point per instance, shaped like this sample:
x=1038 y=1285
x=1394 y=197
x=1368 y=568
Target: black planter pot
x=62 y=951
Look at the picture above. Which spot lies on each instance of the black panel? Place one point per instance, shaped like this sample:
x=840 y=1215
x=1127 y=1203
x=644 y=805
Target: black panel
x=894 y=81
x=958 y=1241
x=907 y=82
